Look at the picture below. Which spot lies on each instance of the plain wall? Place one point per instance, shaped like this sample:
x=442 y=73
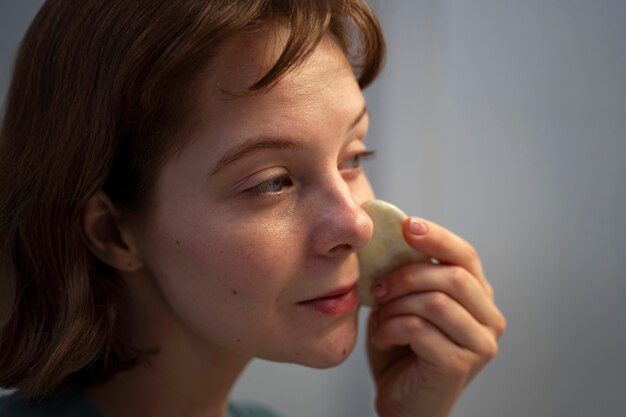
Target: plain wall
x=506 y=122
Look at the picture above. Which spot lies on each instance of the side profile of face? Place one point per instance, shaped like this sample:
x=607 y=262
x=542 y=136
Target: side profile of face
x=251 y=240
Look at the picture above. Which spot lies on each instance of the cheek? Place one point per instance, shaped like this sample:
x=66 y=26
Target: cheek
x=361 y=190
x=215 y=264
x=211 y=271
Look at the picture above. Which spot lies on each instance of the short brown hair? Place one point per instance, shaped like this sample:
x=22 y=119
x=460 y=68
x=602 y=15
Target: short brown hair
x=98 y=92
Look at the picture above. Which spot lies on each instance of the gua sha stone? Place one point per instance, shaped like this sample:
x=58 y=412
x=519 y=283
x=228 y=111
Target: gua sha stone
x=387 y=250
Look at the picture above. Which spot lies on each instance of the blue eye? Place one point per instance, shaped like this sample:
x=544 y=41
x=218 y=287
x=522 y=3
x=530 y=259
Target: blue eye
x=273 y=185
x=356 y=161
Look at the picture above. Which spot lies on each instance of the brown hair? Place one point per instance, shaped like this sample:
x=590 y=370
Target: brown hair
x=99 y=90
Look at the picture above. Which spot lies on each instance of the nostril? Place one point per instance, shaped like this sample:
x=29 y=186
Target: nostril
x=344 y=247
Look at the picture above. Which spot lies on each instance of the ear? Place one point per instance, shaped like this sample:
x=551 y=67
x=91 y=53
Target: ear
x=106 y=238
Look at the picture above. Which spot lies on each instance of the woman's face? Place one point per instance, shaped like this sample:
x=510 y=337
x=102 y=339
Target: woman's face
x=252 y=236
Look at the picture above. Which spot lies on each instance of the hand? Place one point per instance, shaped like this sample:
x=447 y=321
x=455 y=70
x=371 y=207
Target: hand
x=435 y=327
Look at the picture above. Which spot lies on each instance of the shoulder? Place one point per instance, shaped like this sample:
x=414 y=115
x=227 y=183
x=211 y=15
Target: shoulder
x=250 y=410
x=70 y=404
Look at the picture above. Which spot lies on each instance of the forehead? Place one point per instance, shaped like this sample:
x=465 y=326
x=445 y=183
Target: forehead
x=324 y=79
x=314 y=102
x=247 y=57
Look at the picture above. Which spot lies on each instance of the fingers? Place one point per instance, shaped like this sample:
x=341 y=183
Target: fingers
x=438 y=311
x=444 y=313
x=421 y=336
x=445 y=246
x=453 y=281
x=449 y=303
x=438 y=330
x=441 y=315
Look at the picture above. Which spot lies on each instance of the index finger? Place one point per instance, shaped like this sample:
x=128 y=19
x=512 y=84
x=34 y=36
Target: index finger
x=443 y=245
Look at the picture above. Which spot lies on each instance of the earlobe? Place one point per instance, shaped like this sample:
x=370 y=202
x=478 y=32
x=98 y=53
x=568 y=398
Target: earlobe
x=106 y=238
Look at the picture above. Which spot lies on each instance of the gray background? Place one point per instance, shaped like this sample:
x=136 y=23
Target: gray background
x=506 y=122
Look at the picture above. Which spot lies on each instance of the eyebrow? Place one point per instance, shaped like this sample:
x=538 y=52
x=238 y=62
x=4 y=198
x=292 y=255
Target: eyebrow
x=254 y=145
x=258 y=144
x=362 y=114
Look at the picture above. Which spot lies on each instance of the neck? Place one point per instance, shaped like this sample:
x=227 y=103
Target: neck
x=188 y=376
x=169 y=386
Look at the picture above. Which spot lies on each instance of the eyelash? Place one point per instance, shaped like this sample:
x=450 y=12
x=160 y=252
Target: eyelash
x=266 y=186
x=359 y=158
x=284 y=180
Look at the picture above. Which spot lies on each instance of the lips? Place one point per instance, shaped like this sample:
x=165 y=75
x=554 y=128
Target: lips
x=336 y=302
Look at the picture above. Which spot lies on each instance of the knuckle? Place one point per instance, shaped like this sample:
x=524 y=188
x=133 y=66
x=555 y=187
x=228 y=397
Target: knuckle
x=414 y=326
x=436 y=302
x=501 y=324
x=490 y=349
x=471 y=253
x=458 y=278
x=489 y=290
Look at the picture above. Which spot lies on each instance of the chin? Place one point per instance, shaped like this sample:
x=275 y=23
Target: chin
x=328 y=359
x=331 y=348
x=321 y=347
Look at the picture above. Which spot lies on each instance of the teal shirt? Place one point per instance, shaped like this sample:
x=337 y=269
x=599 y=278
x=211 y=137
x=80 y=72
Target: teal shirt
x=76 y=404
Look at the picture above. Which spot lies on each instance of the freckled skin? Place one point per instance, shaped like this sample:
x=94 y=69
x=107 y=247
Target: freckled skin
x=282 y=248
x=283 y=227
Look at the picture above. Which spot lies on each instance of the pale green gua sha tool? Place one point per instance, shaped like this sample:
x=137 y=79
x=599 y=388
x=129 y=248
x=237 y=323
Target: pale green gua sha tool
x=387 y=250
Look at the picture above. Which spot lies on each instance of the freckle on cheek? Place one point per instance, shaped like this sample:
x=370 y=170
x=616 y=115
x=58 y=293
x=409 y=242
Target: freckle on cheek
x=238 y=340
x=297 y=353
x=343 y=352
x=178 y=242
x=235 y=292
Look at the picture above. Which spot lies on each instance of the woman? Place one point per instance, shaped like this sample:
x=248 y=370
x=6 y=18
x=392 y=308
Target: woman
x=180 y=193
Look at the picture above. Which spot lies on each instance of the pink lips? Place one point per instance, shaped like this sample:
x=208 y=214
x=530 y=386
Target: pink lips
x=336 y=302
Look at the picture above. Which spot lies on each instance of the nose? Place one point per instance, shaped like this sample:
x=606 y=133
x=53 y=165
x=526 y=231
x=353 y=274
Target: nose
x=341 y=226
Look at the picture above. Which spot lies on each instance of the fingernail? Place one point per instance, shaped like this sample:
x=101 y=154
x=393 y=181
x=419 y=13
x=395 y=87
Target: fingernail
x=417 y=227
x=379 y=289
